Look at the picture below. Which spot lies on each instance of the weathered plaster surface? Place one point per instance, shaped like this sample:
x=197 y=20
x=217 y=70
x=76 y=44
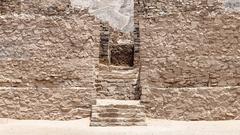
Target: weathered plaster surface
x=118 y=13
x=232 y=5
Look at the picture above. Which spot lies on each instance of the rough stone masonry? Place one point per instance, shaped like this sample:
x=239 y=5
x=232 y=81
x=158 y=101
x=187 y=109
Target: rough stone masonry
x=190 y=44
x=189 y=56
x=48 y=55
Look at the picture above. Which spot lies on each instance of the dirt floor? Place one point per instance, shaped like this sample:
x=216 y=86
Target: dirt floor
x=81 y=127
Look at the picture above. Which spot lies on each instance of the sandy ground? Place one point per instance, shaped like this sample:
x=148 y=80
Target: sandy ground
x=81 y=127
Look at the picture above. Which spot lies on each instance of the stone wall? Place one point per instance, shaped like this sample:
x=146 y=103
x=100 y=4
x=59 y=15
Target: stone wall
x=202 y=103
x=50 y=51
x=191 y=43
x=10 y=6
x=47 y=62
x=45 y=103
x=117 y=82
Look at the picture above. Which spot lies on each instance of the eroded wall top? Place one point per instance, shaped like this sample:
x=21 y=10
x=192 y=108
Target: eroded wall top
x=118 y=13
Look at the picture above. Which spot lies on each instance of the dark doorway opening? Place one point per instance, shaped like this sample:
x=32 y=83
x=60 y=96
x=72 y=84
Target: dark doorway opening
x=113 y=52
x=122 y=55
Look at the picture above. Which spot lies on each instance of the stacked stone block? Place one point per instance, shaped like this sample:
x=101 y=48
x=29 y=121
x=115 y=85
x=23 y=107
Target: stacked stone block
x=115 y=82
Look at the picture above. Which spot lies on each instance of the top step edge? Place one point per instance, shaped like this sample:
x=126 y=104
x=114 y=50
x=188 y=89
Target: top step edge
x=103 y=102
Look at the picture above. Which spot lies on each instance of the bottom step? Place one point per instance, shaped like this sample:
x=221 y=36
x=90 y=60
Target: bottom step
x=118 y=113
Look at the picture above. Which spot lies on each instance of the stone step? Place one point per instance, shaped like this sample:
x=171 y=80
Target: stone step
x=101 y=124
x=102 y=102
x=113 y=80
x=112 y=76
x=112 y=67
x=130 y=71
x=117 y=121
x=112 y=120
x=108 y=112
x=117 y=82
x=118 y=115
x=121 y=108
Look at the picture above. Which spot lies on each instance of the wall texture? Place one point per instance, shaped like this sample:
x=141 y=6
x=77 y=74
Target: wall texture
x=9 y=6
x=45 y=103
x=52 y=51
x=50 y=59
x=49 y=52
x=189 y=44
x=192 y=44
x=200 y=103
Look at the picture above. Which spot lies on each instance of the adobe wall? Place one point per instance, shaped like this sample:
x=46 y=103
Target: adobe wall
x=47 y=62
x=189 y=44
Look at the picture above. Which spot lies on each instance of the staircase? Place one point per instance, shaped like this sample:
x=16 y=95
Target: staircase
x=117 y=113
x=117 y=90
